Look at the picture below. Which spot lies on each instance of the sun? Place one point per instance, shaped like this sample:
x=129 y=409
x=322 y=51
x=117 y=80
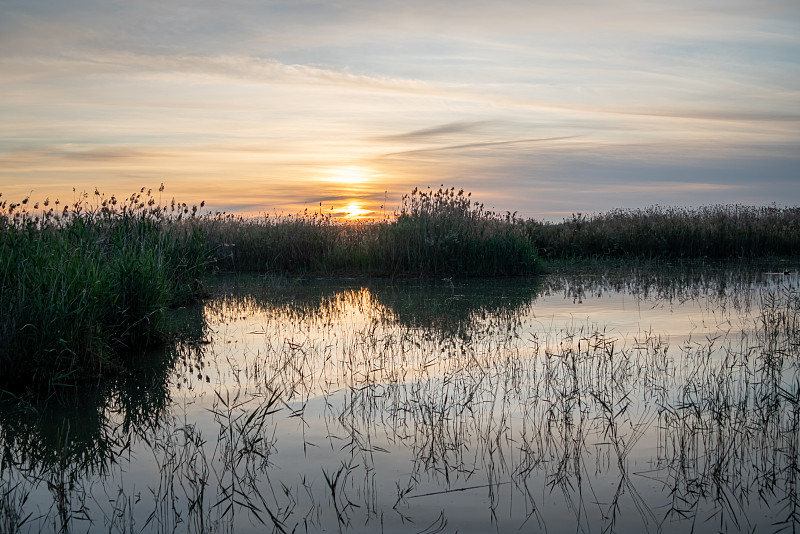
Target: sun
x=354 y=211
x=349 y=184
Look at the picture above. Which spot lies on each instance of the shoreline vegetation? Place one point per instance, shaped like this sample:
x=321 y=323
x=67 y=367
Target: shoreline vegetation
x=82 y=284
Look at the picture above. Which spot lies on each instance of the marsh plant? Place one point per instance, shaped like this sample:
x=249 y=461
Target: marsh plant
x=433 y=232
x=444 y=231
x=82 y=283
x=720 y=231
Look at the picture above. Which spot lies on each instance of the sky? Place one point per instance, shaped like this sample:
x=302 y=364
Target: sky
x=540 y=107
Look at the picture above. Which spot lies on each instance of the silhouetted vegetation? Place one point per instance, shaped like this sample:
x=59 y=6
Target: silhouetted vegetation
x=713 y=231
x=442 y=232
x=436 y=232
x=83 y=282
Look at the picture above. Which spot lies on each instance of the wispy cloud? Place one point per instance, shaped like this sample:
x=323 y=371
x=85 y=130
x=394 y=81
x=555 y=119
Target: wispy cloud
x=425 y=134
x=478 y=145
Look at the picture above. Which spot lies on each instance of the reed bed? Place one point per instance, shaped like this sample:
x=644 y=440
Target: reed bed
x=434 y=232
x=721 y=231
x=444 y=232
x=83 y=283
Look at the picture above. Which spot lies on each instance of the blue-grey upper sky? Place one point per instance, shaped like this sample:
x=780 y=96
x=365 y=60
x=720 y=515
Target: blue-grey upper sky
x=545 y=108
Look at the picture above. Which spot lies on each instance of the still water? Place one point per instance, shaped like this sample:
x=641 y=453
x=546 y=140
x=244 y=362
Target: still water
x=632 y=400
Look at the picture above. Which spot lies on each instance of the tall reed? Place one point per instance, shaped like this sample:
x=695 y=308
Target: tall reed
x=435 y=232
x=445 y=232
x=721 y=231
x=306 y=242
x=82 y=283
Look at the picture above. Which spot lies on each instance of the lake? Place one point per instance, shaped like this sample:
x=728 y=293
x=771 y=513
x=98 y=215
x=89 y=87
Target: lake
x=628 y=399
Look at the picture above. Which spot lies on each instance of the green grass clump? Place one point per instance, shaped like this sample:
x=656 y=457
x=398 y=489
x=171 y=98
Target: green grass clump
x=723 y=231
x=81 y=284
x=442 y=232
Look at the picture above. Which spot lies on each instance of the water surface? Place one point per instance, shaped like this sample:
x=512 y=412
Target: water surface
x=626 y=401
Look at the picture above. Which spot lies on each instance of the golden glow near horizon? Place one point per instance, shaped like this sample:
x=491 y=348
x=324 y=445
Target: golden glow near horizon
x=354 y=211
x=539 y=108
x=354 y=183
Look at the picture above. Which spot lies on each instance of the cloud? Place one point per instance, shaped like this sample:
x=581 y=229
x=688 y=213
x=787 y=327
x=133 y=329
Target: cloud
x=660 y=188
x=113 y=154
x=486 y=144
x=759 y=104
x=177 y=66
x=265 y=70
x=55 y=155
x=424 y=134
